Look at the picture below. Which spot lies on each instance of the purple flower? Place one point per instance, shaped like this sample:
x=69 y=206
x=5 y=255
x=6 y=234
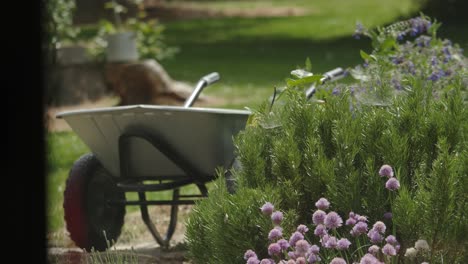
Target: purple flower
x=374 y=249
x=320 y=230
x=338 y=261
x=267 y=208
x=302 y=229
x=313 y=258
x=374 y=236
x=369 y=259
x=302 y=246
x=391 y=240
x=284 y=244
x=296 y=236
x=359 y=228
x=318 y=217
x=350 y=221
x=253 y=260
x=380 y=227
x=274 y=234
x=333 y=220
x=291 y=261
x=249 y=254
x=386 y=171
x=331 y=242
x=274 y=249
x=267 y=261
x=301 y=260
x=322 y=204
x=389 y=250
x=277 y=217
x=388 y=215
x=343 y=244
x=392 y=184
x=324 y=240
x=291 y=255
x=314 y=249
x=361 y=218
x=359 y=31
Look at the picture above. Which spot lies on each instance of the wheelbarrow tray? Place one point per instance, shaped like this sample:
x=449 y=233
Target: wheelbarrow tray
x=201 y=136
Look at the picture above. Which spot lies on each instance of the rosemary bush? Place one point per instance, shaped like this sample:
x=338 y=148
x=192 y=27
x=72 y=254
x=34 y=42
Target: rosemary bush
x=406 y=109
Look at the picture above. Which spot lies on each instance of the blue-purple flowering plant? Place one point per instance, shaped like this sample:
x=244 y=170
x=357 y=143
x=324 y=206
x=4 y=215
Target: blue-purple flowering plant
x=390 y=147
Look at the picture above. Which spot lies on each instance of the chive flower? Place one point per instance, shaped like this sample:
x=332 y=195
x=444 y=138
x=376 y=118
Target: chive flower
x=302 y=246
x=369 y=259
x=322 y=204
x=392 y=184
x=302 y=229
x=389 y=250
x=386 y=171
x=343 y=244
x=253 y=260
x=301 y=260
x=314 y=249
x=249 y=254
x=391 y=240
x=333 y=220
x=318 y=217
x=267 y=208
x=320 y=230
x=338 y=261
x=411 y=252
x=296 y=236
x=277 y=217
x=374 y=249
x=313 y=258
x=380 y=227
x=284 y=244
x=275 y=233
x=274 y=249
x=421 y=245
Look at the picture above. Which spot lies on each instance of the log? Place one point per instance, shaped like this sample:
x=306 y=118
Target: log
x=145 y=82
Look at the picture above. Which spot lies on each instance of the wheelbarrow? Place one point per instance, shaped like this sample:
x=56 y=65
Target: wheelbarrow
x=143 y=149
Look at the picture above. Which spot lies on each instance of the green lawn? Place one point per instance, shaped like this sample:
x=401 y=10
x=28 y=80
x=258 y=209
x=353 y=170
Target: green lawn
x=253 y=55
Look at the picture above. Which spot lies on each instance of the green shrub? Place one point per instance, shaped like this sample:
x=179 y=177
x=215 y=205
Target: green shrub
x=406 y=109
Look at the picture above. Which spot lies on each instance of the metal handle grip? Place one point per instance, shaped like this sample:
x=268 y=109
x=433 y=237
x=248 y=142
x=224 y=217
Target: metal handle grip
x=202 y=83
x=211 y=78
x=334 y=74
x=329 y=76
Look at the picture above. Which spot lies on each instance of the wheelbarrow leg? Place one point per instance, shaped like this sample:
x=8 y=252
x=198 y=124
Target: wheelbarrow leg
x=148 y=223
x=172 y=222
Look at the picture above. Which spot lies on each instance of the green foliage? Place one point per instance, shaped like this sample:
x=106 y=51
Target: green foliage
x=220 y=228
x=413 y=118
x=59 y=21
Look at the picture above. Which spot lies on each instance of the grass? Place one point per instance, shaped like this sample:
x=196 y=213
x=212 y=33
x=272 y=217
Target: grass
x=252 y=55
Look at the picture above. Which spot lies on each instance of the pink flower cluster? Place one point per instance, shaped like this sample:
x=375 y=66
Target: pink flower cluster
x=298 y=250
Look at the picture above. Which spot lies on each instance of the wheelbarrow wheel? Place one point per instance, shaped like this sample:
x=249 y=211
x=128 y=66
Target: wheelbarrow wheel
x=90 y=220
x=231 y=181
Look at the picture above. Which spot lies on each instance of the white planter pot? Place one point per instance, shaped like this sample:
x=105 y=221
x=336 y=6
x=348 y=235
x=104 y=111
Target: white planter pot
x=122 y=47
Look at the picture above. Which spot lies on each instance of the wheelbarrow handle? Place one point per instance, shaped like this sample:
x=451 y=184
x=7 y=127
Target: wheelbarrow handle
x=202 y=83
x=329 y=76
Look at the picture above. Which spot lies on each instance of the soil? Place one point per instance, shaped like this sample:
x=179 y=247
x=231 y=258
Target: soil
x=135 y=240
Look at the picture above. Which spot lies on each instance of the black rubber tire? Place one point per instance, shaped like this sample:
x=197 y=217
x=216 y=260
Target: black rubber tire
x=231 y=181
x=86 y=211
